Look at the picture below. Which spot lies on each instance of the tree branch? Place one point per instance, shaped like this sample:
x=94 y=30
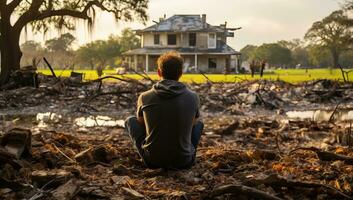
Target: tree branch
x=63 y=12
x=11 y=6
x=2 y=6
x=33 y=13
x=29 y=15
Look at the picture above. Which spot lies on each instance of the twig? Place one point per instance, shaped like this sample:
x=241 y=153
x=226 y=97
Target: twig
x=208 y=79
x=333 y=113
x=63 y=153
x=144 y=76
x=343 y=75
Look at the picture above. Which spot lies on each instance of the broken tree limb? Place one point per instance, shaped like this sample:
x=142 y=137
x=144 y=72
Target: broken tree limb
x=274 y=180
x=240 y=190
x=343 y=73
x=120 y=79
x=50 y=67
x=326 y=156
x=144 y=76
x=208 y=79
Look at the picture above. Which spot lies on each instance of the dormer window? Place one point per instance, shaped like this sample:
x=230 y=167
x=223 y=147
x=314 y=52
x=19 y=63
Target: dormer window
x=156 y=39
x=172 y=39
x=192 y=39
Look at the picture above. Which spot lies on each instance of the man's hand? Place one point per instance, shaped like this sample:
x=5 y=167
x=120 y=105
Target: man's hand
x=141 y=120
x=194 y=121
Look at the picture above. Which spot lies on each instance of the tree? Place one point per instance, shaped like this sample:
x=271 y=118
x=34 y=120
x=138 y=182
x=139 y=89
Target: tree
x=41 y=14
x=319 y=56
x=59 y=51
x=61 y=43
x=32 y=53
x=93 y=54
x=274 y=54
x=347 y=59
x=333 y=32
x=300 y=54
x=128 y=40
x=247 y=52
x=103 y=52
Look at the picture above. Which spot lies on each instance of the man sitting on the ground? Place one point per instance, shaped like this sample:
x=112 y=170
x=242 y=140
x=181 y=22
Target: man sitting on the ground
x=166 y=131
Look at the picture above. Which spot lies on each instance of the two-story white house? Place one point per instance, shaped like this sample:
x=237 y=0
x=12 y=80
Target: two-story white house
x=203 y=46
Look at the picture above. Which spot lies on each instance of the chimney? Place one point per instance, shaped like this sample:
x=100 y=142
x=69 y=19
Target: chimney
x=203 y=20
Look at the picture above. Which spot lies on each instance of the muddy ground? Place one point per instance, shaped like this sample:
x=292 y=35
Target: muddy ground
x=262 y=140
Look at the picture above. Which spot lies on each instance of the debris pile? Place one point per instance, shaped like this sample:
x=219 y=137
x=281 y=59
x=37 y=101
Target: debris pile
x=249 y=149
x=72 y=95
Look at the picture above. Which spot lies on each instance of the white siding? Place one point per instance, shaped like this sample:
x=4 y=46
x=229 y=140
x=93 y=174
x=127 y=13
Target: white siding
x=148 y=40
x=212 y=44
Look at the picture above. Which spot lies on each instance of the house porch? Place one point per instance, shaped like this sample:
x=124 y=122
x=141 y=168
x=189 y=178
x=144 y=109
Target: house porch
x=193 y=63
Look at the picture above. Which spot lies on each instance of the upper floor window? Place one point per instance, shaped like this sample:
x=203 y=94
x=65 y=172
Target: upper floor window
x=172 y=40
x=192 y=39
x=156 y=38
x=212 y=40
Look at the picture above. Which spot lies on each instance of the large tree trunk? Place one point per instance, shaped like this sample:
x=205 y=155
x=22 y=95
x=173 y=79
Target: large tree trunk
x=10 y=50
x=335 y=57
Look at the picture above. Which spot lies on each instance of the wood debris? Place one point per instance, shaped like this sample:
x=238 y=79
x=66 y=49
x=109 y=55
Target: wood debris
x=64 y=140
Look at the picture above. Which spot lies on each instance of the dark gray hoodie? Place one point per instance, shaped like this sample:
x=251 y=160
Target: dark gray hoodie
x=169 y=109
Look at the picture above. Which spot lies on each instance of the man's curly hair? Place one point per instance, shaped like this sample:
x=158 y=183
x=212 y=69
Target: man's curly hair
x=170 y=65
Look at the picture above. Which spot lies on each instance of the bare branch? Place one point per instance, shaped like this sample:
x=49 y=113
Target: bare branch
x=33 y=13
x=63 y=12
x=11 y=6
x=29 y=15
x=2 y=6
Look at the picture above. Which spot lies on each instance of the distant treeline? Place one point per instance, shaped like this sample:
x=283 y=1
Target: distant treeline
x=59 y=51
x=328 y=43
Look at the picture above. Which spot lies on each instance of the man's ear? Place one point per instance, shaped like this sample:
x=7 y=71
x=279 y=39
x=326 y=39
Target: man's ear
x=159 y=72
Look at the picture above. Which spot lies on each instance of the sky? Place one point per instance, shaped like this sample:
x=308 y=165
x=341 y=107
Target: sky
x=262 y=21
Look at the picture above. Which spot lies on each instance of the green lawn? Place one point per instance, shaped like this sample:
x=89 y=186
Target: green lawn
x=288 y=75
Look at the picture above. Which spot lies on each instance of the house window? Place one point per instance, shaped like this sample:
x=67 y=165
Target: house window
x=192 y=39
x=156 y=38
x=171 y=39
x=211 y=40
x=212 y=63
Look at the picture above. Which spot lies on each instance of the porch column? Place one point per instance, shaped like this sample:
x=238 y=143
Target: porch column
x=196 y=66
x=146 y=63
x=237 y=62
x=135 y=62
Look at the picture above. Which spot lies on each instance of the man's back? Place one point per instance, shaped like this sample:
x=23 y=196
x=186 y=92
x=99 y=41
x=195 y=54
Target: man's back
x=169 y=110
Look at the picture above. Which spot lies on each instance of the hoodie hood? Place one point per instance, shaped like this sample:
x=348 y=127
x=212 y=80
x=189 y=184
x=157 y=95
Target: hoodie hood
x=169 y=88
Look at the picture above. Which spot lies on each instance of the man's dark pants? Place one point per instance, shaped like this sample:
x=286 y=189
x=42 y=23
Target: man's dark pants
x=137 y=133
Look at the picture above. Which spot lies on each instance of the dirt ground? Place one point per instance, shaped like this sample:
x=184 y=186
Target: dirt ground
x=262 y=140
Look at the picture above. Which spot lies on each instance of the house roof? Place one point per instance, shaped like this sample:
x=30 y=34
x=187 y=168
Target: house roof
x=223 y=49
x=182 y=23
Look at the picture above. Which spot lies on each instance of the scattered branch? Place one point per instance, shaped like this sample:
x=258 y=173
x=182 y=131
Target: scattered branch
x=240 y=190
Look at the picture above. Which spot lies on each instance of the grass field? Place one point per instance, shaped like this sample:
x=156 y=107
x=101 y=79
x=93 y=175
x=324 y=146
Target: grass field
x=288 y=75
